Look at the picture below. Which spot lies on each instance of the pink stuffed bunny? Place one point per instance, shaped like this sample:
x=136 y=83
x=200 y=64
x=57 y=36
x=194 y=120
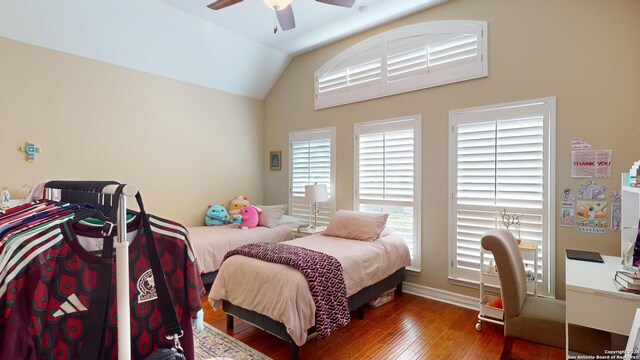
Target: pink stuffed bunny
x=250 y=216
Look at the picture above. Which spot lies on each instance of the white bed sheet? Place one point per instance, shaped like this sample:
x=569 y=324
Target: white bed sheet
x=211 y=243
x=281 y=292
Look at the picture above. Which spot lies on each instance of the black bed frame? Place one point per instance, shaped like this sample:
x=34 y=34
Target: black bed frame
x=356 y=302
x=208 y=279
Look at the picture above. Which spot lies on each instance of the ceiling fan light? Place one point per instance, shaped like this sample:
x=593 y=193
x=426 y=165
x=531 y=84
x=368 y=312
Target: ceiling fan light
x=277 y=4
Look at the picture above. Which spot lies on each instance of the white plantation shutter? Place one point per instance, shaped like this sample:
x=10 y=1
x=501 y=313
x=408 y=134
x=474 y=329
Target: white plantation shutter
x=359 y=71
x=387 y=166
x=388 y=176
x=332 y=83
x=501 y=159
x=454 y=50
x=404 y=59
x=407 y=57
x=354 y=76
x=417 y=61
x=312 y=161
x=365 y=75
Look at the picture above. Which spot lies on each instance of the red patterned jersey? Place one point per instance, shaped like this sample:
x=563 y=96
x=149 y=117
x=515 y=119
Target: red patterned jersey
x=45 y=298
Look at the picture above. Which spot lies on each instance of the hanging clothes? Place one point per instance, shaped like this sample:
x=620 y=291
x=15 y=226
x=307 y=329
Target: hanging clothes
x=49 y=266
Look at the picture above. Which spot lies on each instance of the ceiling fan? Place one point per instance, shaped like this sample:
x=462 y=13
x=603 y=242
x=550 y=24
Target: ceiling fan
x=282 y=8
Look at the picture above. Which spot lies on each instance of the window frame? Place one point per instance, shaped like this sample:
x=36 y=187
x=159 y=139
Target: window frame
x=311 y=135
x=396 y=124
x=484 y=114
x=379 y=44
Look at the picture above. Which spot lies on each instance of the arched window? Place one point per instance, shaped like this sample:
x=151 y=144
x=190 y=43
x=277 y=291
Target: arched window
x=404 y=59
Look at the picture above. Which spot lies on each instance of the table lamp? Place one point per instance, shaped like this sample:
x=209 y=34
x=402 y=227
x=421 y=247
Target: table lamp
x=314 y=194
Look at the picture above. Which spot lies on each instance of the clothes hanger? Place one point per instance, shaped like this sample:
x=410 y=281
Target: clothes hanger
x=88 y=212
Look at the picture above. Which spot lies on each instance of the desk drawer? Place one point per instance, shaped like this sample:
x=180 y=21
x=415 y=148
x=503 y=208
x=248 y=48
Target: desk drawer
x=601 y=311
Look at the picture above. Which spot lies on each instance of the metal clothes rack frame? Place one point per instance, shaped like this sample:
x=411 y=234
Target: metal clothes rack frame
x=122 y=251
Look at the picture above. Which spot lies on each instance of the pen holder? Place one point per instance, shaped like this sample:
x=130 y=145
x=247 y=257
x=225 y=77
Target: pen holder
x=627 y=259
x=627 y=263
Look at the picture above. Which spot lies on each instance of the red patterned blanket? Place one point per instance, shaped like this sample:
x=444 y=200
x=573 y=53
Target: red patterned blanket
x=323 y=273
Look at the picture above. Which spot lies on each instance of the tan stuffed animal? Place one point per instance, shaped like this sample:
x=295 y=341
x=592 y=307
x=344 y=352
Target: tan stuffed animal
x=235 y=206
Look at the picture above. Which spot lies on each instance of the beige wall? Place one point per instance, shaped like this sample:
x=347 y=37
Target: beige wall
x=185 y=146
x=583 y=52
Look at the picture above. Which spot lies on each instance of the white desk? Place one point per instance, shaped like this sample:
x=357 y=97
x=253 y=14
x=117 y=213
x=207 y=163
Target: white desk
x=594 y=301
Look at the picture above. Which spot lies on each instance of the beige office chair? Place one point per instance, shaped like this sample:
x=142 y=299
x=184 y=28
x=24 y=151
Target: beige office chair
x=525 y=317
x=632 y=351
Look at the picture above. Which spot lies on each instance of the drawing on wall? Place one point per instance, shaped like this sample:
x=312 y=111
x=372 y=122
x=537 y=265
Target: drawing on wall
x=31 y=150
x=567 y=215
x=592 y=214
x=591 y=164
x=568 y=200
x=591 y=190
x=616 y=216
x=616 y=196
x=579 y=144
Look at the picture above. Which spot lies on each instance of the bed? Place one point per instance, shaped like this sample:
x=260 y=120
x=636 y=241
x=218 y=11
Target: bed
x=276 y=298
x=210 y=243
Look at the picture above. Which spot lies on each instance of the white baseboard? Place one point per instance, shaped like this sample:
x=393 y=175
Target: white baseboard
x=448 y=297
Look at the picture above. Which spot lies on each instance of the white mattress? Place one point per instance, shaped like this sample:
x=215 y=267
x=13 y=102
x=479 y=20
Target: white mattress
x=211 y=243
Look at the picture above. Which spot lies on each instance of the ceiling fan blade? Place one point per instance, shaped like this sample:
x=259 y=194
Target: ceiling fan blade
x=286 y=19
x=222 y=4
x=344 y=3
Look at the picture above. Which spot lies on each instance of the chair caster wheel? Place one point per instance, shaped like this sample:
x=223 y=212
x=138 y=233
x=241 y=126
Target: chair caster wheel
x=479 y=325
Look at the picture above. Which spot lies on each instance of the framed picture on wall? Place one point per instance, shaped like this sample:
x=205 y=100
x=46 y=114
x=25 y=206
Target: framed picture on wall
x=275 y=160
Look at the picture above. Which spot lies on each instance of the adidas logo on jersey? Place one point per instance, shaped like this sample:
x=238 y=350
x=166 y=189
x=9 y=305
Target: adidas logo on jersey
x=71 y=305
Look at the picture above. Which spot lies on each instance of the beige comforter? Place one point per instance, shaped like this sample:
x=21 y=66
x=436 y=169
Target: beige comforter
x=210 y=243
x=281 y=292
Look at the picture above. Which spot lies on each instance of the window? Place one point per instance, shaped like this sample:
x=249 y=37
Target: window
x=404 y=59
x=312 y=160
x=387 y=176
x=502 y=157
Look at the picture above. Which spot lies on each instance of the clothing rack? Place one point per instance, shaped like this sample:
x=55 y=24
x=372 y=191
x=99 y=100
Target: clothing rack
x=121 y=246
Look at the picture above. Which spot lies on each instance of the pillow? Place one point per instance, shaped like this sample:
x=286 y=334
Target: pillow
x=356 y=225
x=386 y=231
x=287 y=219
x=271 y=215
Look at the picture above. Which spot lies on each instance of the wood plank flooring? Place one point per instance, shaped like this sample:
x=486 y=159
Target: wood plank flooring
x=408 y=328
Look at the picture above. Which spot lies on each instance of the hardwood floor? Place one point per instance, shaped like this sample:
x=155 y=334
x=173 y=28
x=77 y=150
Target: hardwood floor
x=409 y=327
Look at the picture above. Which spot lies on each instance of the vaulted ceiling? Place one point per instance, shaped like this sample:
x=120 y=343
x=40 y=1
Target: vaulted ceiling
x=233 y=49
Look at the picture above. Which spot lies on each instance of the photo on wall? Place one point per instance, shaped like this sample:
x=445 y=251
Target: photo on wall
x=275 y=163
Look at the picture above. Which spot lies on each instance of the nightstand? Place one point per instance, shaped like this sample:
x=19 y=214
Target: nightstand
x=307 y=232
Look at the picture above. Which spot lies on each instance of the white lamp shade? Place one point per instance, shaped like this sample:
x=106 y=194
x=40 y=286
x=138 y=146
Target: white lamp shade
x=315 y=193
x=280 y=4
